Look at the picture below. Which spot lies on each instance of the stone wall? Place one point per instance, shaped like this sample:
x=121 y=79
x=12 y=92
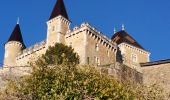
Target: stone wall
x=77 y=40
x=98 y=52
x=31 y=54
x=122 y=72
x=12 y=72
x=92 y=46
x=157 y=72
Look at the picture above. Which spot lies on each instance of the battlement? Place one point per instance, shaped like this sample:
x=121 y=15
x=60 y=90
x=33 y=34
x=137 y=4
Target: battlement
x=64 y=20
x=33 y=49
x=92 y=32
x=14 y=43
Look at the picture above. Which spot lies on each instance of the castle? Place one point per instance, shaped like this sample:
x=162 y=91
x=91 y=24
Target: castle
x=120 y=48
x=102 y=49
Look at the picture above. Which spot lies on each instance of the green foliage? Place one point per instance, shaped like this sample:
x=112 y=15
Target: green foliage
x=50 y=73
x=58 y=53
x=55 y=82
x=56 y=76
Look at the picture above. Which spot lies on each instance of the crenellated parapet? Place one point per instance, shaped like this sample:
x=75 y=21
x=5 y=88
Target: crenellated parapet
x=93 y=33
x=14 y=43
x=59 y=18
x=33 y=49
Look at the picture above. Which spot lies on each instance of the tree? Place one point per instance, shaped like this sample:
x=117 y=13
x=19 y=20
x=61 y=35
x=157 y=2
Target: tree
x=58 y=53
x=49 y=73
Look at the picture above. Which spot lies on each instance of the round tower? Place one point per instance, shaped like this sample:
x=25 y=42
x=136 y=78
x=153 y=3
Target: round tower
x=13 y=47
x=58 y=24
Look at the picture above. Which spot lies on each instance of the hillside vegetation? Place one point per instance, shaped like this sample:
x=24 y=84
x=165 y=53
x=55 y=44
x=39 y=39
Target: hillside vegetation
x=57 y=75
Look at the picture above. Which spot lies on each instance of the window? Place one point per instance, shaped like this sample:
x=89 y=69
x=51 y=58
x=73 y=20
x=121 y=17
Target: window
x=97 y=47
x=88 y=60
x=134 y=57
x=96 y=60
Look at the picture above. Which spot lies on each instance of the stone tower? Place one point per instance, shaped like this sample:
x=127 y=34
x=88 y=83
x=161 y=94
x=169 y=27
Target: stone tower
x=58 y=24
x=13 y=47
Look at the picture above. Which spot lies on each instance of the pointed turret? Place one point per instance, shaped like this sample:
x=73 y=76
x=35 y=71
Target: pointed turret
x=13 y=47
x=59 y=9
x=16 y=35
x=58 y=24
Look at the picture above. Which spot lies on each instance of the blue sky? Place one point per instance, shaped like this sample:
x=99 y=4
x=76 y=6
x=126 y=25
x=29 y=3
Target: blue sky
x=148 y=21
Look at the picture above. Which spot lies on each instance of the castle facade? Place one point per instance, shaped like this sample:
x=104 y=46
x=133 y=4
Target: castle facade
x=102 y=49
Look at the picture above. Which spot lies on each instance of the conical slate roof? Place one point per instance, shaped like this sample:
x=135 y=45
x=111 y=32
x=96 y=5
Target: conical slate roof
x=16 y=35
x=123 y=37
x=59 y=9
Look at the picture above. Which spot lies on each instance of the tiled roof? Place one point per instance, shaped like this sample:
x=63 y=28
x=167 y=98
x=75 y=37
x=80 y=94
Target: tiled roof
x=59 y=9
x=123 y=37
x=155 y=63
x=16 y=35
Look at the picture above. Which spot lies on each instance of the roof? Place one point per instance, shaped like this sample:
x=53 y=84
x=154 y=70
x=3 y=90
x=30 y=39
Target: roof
x=59 y=9
x=155 y=63
x=16 y=35
x=123 y=37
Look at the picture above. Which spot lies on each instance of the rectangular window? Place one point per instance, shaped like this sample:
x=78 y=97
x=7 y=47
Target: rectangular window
x=88 y=60
x=134 y=57
x=98 y=61
x=97 y=47
x=94 y=59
